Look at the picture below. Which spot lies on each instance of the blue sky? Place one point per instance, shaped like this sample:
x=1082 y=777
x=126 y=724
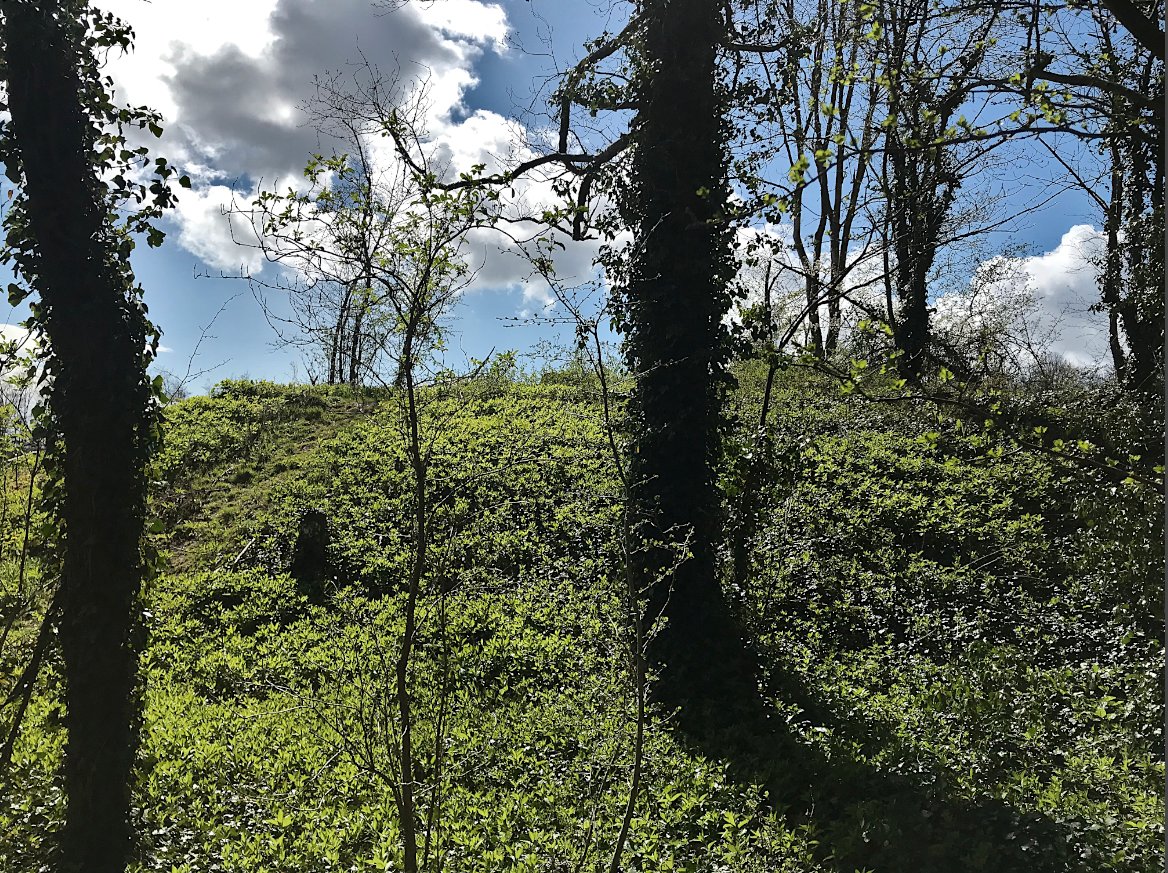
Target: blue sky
x=229 y=79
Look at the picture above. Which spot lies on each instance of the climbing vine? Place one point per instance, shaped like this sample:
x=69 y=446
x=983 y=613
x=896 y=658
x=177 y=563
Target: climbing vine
x=86 y=192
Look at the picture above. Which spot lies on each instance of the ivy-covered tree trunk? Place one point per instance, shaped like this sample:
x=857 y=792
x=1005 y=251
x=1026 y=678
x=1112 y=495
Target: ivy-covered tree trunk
x=79 y=266
x=1132 y=279
x=676 y=299
x=919 y=194
x=935 y=58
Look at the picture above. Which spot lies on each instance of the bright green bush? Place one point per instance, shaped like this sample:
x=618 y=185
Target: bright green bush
x=961 y=670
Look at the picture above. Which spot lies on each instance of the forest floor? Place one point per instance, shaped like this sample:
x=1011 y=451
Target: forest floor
x=960 y=648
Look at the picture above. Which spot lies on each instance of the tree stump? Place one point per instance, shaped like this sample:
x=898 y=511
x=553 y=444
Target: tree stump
x=311 y=567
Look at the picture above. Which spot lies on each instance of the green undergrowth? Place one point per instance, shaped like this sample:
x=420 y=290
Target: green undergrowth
x=959 y=652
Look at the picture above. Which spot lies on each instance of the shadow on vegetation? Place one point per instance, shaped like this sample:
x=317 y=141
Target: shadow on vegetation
x=863 y=818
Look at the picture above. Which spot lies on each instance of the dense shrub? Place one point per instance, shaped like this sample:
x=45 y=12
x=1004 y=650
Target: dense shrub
x=959 y=651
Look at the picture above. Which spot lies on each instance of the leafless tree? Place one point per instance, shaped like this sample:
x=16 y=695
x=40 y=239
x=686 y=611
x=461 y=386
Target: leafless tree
x=370 y=255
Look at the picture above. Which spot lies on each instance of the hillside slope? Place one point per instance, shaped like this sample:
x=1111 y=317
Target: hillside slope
x=960 y=653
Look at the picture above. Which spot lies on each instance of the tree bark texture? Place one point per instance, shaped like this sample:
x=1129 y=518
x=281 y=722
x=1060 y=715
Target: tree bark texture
x=676 y=297
x=1132 y=279
x=920 y=193
x=100 y=398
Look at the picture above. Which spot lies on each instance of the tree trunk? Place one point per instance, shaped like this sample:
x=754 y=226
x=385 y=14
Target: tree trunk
x=1132 y=280
x=355 y=344
x=814 y=325
x=407 y=806
x=919 y=196
x=677 y=296
x=100 y=397
x=1111 y=277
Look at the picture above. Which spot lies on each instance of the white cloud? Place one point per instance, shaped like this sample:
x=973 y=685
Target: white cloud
x=1041 y=303
x=1052 y=292
x=1065 y=284
x=482 y=137
x=13 y=333
x=773 y=246
x=206 y=27
x=204 y=231
x=230 y=82
x=14 y=337
x=469 y=19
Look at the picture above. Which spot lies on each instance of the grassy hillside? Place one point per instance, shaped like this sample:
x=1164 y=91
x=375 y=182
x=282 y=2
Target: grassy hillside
x=960 y=651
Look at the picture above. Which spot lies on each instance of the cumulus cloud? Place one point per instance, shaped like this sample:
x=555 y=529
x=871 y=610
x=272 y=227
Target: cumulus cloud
x=14 y=338
x=240 y=111
x=204 y=231
x=1065 y=285
x=500 y=265
x=13 y=333
x=232 y=95
x=232 y=99
x=1043 y=302
x=772 y=246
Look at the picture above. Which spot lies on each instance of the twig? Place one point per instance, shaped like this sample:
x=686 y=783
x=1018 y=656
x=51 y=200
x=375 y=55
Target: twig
x=23 y=688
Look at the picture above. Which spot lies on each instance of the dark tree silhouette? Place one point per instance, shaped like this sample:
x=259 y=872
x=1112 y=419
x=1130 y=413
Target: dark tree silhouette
x=675 y=299
x=929 y=83
x=66 y=242
x=1129 y=90
x=673 y=283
